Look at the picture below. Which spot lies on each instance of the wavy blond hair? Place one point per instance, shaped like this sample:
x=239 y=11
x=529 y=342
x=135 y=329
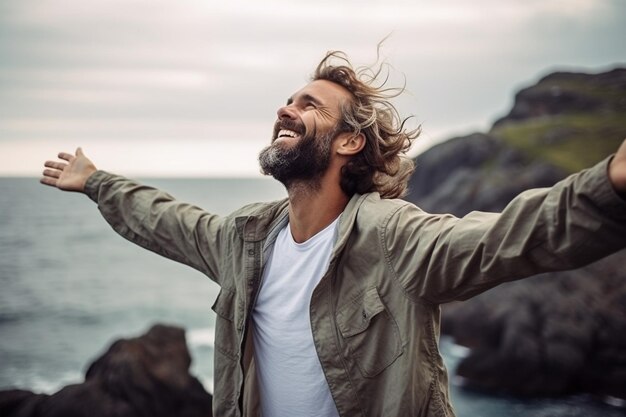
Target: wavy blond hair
x=382 y=165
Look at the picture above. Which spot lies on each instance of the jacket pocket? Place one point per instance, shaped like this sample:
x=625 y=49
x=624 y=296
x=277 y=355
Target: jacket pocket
x=370 y=332
x=226 y=335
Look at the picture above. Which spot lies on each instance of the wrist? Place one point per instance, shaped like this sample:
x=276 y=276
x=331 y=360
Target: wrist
x=88 y=174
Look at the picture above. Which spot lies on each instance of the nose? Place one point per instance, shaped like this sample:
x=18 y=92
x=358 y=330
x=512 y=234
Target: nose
x=286 y=112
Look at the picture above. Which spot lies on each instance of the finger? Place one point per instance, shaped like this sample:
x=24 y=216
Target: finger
x=79 y=151
x=53 y=173
x=52 y=182
x=56 y=165
x=66 y=156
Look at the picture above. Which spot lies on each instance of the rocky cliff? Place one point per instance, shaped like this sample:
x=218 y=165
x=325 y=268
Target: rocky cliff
x=560 y=332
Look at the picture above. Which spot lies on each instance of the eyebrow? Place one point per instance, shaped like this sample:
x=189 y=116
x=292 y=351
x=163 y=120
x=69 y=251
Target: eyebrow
x=308 y=98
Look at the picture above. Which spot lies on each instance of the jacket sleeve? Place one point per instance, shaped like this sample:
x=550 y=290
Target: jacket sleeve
x=156 y=221
x=442 y=258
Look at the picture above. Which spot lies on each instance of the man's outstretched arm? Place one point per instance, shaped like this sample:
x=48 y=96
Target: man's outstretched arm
x=71 y=175
x=144 y=215
x=579 y=220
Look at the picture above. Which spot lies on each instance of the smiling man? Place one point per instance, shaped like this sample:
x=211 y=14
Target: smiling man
x=329 y=300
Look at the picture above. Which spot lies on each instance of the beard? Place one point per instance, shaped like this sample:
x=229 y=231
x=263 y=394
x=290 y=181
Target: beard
x=305 y=161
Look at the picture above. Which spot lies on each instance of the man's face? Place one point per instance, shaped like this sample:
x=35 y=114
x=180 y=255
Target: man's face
x=304 y=132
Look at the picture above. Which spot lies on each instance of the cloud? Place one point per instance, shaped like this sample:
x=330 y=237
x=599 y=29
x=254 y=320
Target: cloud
x=155 y=69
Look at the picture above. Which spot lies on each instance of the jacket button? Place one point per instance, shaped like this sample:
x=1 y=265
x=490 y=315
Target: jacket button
x=251 y=252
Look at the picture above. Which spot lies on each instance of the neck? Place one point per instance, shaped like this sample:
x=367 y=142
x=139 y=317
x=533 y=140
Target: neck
x=313 y=206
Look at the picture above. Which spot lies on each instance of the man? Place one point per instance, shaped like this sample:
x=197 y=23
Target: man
x=329 y=300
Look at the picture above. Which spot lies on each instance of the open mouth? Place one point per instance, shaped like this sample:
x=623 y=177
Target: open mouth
x=288 y=130
x=286 y=133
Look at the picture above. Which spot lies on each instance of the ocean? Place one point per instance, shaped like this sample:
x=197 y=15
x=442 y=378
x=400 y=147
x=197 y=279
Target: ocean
x=70 y=286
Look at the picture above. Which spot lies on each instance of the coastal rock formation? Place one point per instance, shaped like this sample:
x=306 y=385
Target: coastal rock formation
x=144 y=376
x=552 y=334
x=555 y=333
x=570 y=93
x=475 y=172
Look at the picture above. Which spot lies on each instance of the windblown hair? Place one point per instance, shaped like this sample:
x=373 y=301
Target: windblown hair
x=382 y=165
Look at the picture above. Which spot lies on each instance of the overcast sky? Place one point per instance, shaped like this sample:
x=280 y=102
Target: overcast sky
x=191 y=87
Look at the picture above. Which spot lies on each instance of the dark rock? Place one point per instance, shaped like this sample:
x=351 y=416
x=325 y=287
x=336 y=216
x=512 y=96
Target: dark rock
x=556 y=333
x=20 y=403
x=475 y=172
x=144 y=376
x=435 y=165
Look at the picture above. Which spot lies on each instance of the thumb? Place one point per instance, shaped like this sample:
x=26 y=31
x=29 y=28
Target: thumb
x=79 y=151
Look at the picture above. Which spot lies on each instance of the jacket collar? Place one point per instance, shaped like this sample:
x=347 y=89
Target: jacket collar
x=257 y=227
x=346 y=222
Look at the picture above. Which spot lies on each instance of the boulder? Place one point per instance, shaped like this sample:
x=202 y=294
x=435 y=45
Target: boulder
x=143 y=376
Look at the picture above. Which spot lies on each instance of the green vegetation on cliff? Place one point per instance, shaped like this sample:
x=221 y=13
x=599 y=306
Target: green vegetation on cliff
x=570 y=142
x=569 y=120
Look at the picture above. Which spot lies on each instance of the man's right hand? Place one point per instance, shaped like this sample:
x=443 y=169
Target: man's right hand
x=70 y=176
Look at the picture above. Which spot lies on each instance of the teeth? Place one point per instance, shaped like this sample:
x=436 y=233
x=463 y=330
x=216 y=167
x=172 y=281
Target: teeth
x=285 y=132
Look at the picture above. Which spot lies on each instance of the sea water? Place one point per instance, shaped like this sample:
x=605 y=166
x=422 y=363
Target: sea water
x=70 y=286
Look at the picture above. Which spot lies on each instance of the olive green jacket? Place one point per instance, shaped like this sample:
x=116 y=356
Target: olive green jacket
x=375 y=313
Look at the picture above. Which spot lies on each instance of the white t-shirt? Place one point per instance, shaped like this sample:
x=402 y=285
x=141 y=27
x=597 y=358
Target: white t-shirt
x=290 y=377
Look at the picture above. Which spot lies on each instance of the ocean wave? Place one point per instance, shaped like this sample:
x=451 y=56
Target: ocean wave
x=202 y=337
x=459 y=351
x=40 y=384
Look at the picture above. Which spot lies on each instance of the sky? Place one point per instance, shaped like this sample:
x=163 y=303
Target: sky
x=191 y=87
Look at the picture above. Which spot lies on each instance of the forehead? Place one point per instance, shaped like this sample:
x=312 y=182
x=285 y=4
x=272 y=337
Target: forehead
x=326 y=92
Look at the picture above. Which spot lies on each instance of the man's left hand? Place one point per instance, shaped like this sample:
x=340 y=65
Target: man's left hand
x=617 y=170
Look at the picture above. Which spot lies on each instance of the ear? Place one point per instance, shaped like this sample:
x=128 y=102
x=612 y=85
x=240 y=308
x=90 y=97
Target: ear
x=349 y=144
